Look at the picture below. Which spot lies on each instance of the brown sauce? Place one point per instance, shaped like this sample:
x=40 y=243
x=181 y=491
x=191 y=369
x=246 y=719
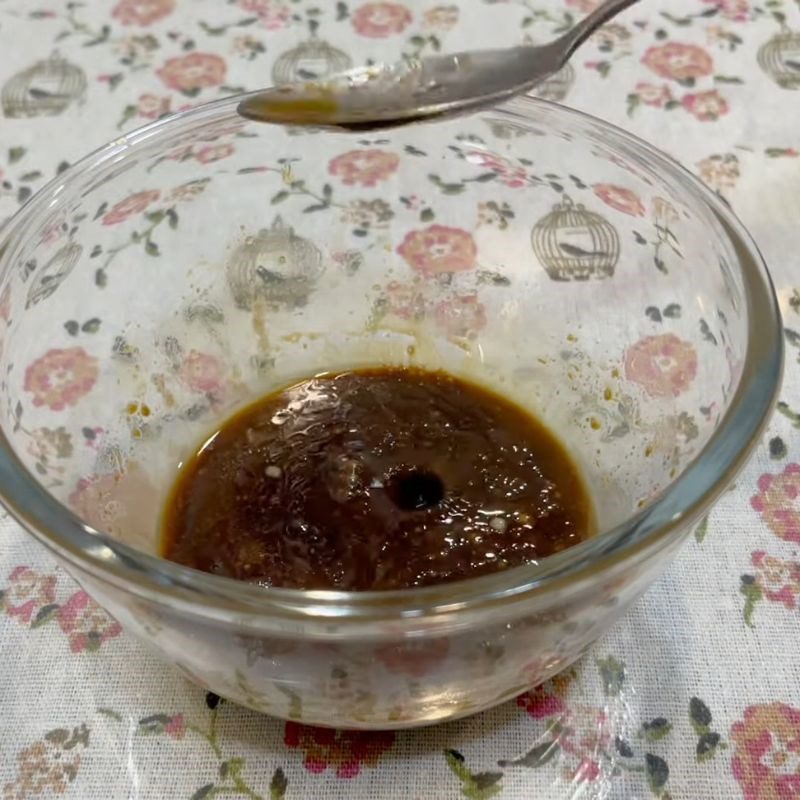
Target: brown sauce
x=375 y=479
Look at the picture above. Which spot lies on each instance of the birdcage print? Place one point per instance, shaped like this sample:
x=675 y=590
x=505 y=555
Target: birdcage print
x=43 y=90
x=310 y=60
x=276 y=266
x=54 y=272
x=557 y=86
x=575 y=244
x=780 y=59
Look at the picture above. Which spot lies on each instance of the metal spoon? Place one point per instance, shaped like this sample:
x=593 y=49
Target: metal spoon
x=395 y=94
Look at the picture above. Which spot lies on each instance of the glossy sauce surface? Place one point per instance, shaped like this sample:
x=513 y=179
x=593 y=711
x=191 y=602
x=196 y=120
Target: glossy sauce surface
x=375 y=479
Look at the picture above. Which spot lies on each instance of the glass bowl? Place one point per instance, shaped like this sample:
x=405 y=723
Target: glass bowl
x=201 y=261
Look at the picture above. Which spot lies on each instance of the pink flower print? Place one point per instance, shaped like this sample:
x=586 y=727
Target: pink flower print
x=175 y=727
x=619 y=198
x=110 y=503
x=364 y=167
x=202 y=372
x=512 y=175
x=439 y=249
x=461 y=315
x=663 y=365
x=93 y=436
x=720 y=171
x=584 y=6
x=346 y=752
x=271 y=14
x=142 y=12
x=49 y=766
x=27 y=592
x=778 y=580
x=585 y=732
x=541 y=703
x=664 y=212
x=766 y=751
x=49 y=444
x=187 y=192
x=404 y=300
x=679 y=62
x=60 y=378
x=652 y=95
x=706 y=106
x=776 y=502
x=151 y=106
x=734 y=10
x=588 y=771
x=379 y=20
x=214 y=152
x=86 y=625
x=193 y=72
x=134 y=204
x=441 y=18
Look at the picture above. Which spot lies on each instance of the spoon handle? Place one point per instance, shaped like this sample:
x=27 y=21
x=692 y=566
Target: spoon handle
x=581 y=31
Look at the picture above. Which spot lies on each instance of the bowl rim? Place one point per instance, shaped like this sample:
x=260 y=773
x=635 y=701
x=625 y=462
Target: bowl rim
x=656 y=526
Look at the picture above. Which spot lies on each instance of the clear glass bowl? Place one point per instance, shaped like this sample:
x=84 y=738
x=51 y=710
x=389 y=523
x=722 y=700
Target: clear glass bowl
x=201 y=261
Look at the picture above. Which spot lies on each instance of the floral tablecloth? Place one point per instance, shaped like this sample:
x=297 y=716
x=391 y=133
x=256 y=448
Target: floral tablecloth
x=696 y=693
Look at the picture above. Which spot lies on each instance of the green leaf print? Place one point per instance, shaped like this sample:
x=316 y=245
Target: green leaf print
x=152 y=725
x=656 y=729
x=45 y=615
x=278 y=785
x=752 y=594
x=481 y=786
x=536 y=757
x=792 y=416
x=708 y=741
x=657 y=771
x=777 y=448
x=707 y=746
x=701 y=530
x=612 y=673
x=700 y=715
x=793 y=337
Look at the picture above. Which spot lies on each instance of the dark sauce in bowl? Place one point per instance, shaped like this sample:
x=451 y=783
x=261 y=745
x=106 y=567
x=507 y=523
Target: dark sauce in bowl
x=375 y=479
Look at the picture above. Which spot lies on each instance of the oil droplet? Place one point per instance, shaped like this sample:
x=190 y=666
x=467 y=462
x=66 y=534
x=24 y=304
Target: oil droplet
x=595 y=424
x=132 y=408
x=145 y=409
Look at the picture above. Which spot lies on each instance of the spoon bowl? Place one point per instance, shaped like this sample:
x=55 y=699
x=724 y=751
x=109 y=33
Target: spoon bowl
x=388 y=95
